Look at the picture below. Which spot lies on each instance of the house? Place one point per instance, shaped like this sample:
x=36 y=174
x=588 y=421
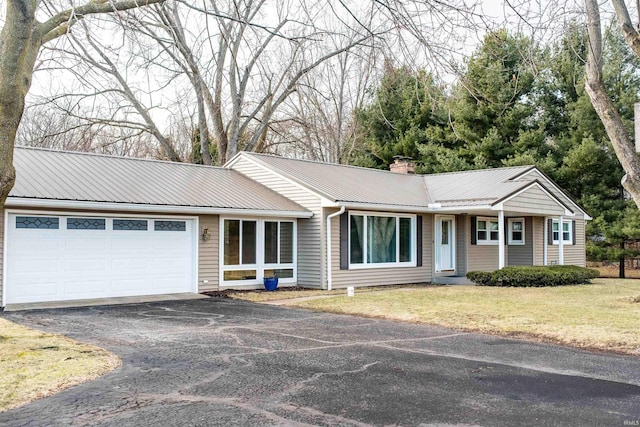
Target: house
x=80 y=226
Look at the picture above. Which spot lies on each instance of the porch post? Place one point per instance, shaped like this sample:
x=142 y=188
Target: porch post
x=560 y=241
x=501 y=239
x=545 y=240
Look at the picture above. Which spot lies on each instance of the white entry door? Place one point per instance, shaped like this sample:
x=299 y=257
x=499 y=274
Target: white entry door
x=445 y=243
x=59 y=257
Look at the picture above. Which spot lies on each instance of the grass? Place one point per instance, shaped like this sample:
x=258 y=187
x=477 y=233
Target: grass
x=34 y=364
x=601 y=316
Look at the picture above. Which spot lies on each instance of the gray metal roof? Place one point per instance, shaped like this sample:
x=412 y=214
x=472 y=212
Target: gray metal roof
x=357 y=185
x=475 y=187
x=60 y=175
x=341 y=183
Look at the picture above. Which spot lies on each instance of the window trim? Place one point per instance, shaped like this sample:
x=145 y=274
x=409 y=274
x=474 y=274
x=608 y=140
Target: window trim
x=398 y=263
x=488 y=241
x=565 y=242
x=260 y=265
x=511 y=240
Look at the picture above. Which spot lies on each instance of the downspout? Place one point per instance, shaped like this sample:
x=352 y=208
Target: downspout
x=328 y=231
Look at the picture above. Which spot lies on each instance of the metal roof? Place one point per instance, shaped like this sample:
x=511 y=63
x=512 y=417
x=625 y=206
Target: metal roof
x=342 y=183
x=72 y=176
x=474 y=187
x=351 y=185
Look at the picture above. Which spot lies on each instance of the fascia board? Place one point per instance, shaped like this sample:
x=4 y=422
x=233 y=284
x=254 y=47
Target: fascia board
x=132 y=207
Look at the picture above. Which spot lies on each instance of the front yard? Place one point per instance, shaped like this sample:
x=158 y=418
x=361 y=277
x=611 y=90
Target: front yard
x=34 y=364
x=598 y=316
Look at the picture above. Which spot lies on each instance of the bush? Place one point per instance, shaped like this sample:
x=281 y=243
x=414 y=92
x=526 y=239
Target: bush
x=534 y=276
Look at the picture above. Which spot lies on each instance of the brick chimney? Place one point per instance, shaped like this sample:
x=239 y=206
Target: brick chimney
x=402 y=164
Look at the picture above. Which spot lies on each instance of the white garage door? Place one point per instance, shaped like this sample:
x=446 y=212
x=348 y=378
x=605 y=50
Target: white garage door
x=55 y=258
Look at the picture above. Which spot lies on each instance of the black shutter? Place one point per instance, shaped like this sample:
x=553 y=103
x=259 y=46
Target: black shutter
x=344 y=241
x=550 y=231
x=506 y=230
x=573 y=232
x=419 y=241
x=474 y=230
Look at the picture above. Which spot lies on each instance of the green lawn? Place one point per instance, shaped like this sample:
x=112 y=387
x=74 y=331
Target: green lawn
x=597 y=316
x=34 y=364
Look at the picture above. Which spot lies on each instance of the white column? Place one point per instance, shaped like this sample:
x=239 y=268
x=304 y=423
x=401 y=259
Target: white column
x=501 y=246
x=545 y=240
x=560 y=241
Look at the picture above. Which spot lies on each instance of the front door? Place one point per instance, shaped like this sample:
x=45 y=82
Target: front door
x=445 y=243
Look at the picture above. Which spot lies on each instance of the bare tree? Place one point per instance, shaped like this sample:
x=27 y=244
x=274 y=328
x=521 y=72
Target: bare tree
x=622 y=141
x=21 y=38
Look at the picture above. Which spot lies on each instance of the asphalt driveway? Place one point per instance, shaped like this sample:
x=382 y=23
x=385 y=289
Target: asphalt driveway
x=223 y=362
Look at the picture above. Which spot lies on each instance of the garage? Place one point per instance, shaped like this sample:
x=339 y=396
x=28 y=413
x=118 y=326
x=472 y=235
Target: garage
x=71 y=257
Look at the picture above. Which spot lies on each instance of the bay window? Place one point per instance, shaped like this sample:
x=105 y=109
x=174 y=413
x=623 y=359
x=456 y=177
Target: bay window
x=381 y=240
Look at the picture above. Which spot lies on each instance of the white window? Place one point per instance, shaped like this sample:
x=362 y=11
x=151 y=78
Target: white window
x=379 y=240
x=516 y=231
x=252 y=249
x=487 y=231
x=567 y=232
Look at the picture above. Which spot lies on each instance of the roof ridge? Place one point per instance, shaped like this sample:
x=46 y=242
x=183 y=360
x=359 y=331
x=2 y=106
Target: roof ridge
x=110 y=156
x=330 y=164
x=479 y=170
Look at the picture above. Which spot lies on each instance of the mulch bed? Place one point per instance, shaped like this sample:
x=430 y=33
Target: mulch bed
x=226 y=293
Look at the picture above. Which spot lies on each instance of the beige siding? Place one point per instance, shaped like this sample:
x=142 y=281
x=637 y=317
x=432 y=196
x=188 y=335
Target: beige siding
x=209 y=254
x=573 y=254
x=462 y=236
x=480 y=257
x=534 y=174
x=535 y=201
x=522 y=254
x=538 y=240
x=310 y=237
x=382 y=276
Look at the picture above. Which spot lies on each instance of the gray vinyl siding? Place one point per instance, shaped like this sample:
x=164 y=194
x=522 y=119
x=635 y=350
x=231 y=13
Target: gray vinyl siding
x=522 y=254
x=382 y=276
x=311 y=244
x=462 y=236
x=573 y=254
x=534 y=201
x=480 y=257
x=534 y=174
x=209 y=254
x=538 y=240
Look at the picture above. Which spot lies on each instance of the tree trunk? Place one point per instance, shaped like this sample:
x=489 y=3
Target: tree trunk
x=622 y=143
x=621 y=272
x=19 y=47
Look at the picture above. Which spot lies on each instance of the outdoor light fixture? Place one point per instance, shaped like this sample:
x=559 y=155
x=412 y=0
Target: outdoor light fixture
x=205 y=234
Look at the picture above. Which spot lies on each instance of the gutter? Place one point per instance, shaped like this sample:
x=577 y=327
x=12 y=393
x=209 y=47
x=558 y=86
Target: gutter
x=18 y=202
x=328 y=231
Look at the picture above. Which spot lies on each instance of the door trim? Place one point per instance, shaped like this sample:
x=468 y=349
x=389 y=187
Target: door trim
x=436 y=243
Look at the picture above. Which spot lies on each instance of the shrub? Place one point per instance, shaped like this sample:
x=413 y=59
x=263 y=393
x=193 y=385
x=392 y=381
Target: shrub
x=534 y=276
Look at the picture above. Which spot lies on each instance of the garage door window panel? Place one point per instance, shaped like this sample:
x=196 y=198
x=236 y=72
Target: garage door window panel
x=130 y=224
x=38 y=222
x=86 y=224
x=170 y=225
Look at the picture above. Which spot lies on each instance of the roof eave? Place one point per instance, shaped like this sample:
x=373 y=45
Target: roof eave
x=25 y=202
